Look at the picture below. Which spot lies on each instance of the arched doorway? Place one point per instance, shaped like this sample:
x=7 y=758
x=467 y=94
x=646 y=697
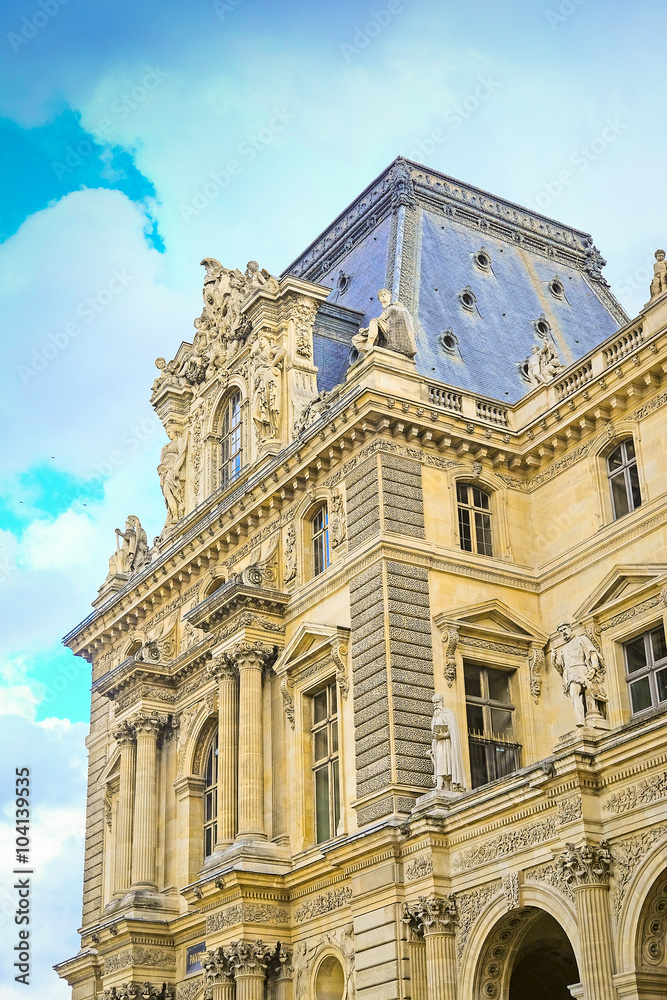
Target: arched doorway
x=527 y=956
x=651 y=944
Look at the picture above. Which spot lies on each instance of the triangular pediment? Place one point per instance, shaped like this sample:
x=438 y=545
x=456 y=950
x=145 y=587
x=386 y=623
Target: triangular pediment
x=624 y=581
x=308 y=643
x=492 y=618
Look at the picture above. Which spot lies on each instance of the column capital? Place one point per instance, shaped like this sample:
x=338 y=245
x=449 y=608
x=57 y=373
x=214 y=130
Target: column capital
x=244 y=655
x=217 y=968
x=133 y=991
x=248 y=959
x=148 y=723
x=221 y=669
x=431 y=915
x=123 y=734
x=585 y=864
x=280 y=965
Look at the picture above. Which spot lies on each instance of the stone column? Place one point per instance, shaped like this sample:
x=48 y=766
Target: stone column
x=144 y=841
x=281 y=972
x=249 y=962
x=586 y=868
x=433 y=966
x=228 y=744
x=218 y=974
x=249 y=658
x=125 y=738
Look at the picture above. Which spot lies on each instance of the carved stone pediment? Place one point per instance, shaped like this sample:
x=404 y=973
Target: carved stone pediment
x=312 y=652
x=625 y=583
x=224 y=606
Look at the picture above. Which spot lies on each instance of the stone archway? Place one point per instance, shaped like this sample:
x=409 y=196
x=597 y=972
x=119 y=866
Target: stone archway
x=527 y=956
x=651 y=941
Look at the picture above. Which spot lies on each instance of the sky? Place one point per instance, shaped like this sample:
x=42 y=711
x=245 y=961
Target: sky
x=136 y=139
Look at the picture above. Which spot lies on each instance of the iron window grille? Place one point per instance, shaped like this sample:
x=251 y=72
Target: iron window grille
x=494 y=752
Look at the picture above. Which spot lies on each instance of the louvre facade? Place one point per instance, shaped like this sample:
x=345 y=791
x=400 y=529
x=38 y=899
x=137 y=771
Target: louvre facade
x=380 y=714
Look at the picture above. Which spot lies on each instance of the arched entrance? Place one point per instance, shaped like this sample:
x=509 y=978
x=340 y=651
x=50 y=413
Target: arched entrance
x=527 y=956
x=651 y=943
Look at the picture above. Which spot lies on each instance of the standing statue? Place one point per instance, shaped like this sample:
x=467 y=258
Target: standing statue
x=582 y=670
x=170 y=470
x=267 y=395
x=659 y=283
x=393 y=329
x=133 y=554
x=445 y=749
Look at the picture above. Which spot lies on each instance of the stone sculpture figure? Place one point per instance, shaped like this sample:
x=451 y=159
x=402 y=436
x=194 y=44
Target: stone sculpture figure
x=582 y=670
x=393 y=329
x=132 y=554
x=170 y=470
x=541 y=365
x=445 y=751
x=267 y=395
x=659 y=283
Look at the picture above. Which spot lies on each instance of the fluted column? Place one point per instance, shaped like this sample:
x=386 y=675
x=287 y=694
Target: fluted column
x=125 y=738
x=586 y=868
x=249 y=962
x=228 y=742
x=281 y=973
x=144 y=841
x=250 y=658
x=432 y=965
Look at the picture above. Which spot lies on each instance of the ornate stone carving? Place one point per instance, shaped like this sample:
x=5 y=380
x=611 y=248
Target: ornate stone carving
x=267 y=358
x=123 y=733
x=470 y=905
x=586 y=864
x=190 y=990
x=172 y=476
x=326 y=902
x=654 y=926
x=222 y=669
x=312 y=410
x=659 y=282
x=419 y=868
x=451 y=640
x=505 y=844
x=247 y=959
x=252 y=913
x=497 y=952
x=511 y=890
x=552 y=875
x=137 y=955
x=217 y=967
x=536 y=668
x=188 y=720
x=393 y=329
x=248 y=654
x=337 y=525
x=569 y=809
x=542 y=364
x=136 y=991
x=445 y=753
x=133 y=554
x=582 y=670
x=628 y=855
x=290 y=554
x=145 y=722
x=286 y=688
x=305 y=954
x=339 y=657
x=641 y=793
x=432 y=914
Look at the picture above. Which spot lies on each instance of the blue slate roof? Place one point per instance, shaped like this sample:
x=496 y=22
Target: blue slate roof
x=440 y=225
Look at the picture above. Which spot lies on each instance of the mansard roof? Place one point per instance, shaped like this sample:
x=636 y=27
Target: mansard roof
x=420 y=233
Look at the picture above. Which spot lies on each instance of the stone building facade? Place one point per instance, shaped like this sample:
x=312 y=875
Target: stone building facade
x=380 y=714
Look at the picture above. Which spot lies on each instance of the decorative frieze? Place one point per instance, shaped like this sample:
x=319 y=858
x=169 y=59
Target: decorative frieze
x=150 y=957
x=335 y=899
x=511 y=890
x=569 y=810
x=241 y=913
x=553 y=875
x=137 y=991
x=628 y=855
x=641 y=793
x=419 y=868
x=506 y=843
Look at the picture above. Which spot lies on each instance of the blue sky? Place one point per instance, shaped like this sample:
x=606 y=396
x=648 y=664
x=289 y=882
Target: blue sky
x=138 y=138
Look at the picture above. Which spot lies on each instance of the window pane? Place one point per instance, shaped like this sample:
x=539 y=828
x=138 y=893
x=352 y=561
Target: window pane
x=635 y=492
x=322 y=803
x=499 y=686
x=479 y=771
x=501 y=722
x=661 y=681
x=629 y=448
x=635 y=653
x=321 y=744
x=464 y=529
x=336 y=797
x=473 y=681
x=334 y=700
x=620 y=495
x=615 y=460
x=462 y=492
x=480 y=498
x=320 y=706
x=334 y=737
x=640 y=695
x=658 y=643
x=475 y=717
x=483 y=533
x=208 y=842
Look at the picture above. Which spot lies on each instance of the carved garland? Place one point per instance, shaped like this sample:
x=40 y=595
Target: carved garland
x=642 y=793
x=506 y=843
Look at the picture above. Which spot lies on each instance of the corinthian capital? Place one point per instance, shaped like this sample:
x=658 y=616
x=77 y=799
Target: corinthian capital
x=216 y=967
x=147 y=723
x=221 y=669
x=123 y=734
x=243 y=655
x=431 y=915
x=248 y=959
x=587 y=864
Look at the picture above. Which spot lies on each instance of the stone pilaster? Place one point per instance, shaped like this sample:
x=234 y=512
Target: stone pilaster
x=433 y=963
x=586 y=868
x=249 y=658
x=125 y=739
x=144 y=841
x=228 y=744
x=249 y=962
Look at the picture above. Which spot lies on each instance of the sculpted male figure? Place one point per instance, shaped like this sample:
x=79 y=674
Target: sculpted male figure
x=445 y=749
x=659 y=283
x=393 y=329
x=579 y=663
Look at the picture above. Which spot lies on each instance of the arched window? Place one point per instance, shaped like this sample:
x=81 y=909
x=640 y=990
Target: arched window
x=320 y=539
x=231 y=440
x=211 y=797
x=474 y=511
x=624 y=478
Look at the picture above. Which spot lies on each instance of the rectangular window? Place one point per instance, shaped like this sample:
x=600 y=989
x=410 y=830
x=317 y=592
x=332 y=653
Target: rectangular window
x=320 y=526
x=474 y=513
x=326 y=763
x=646 y=670
x=211 y=798
x=490 y=714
